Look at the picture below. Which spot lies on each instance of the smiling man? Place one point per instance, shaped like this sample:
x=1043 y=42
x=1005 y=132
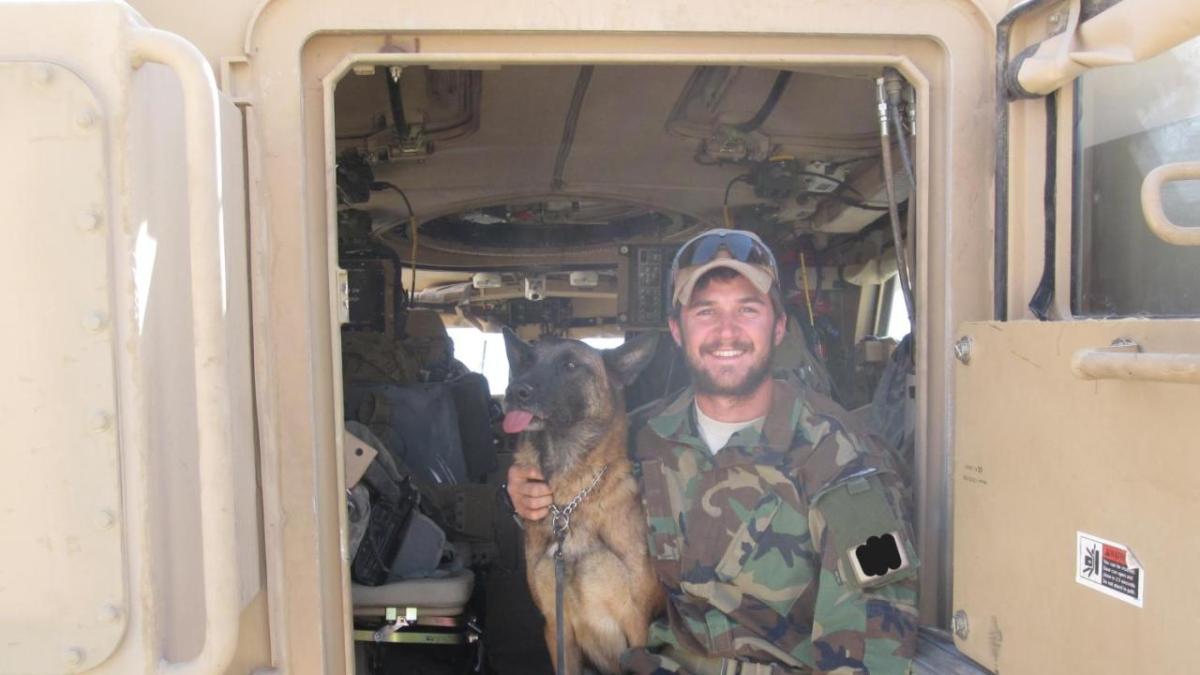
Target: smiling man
x=781 y=535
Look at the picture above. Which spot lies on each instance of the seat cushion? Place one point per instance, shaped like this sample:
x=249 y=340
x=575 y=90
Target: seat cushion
x=449 y=592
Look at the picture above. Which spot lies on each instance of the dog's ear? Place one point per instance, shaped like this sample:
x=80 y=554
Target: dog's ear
x=626 y=361
x=520 y=352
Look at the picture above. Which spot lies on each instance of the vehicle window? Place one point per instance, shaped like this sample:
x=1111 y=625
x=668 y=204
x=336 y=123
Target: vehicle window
x=897 y=325
x=1132 y=119
x=484 y=353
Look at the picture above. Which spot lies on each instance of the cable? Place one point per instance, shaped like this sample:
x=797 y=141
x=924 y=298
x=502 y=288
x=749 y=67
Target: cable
x=725 y=205
x=380 y=185
x=781 y=81
x=744 y=178
x=889 y=182
x=413 y=233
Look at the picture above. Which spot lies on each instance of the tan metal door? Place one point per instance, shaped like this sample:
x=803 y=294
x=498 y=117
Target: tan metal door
x=128 y=507
x=1057 y=434
x=1076 y=455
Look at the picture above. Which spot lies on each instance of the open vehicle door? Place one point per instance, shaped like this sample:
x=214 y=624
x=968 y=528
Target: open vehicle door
x=128 y=492
x=1076 y=465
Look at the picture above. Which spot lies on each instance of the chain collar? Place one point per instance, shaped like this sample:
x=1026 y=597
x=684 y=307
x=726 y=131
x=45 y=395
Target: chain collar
x=560 y=519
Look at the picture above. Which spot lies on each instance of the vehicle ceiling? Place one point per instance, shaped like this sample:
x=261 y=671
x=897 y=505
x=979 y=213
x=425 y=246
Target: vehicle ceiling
x=495 y=178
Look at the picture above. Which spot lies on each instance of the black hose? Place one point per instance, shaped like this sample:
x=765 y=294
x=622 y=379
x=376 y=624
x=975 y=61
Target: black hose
x=768 y=105
x=397 y=105
x=1000 y=218
x=381 y=185
x=1043 y=297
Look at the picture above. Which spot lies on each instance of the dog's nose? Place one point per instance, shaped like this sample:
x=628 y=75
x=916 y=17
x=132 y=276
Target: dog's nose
x=521 y=392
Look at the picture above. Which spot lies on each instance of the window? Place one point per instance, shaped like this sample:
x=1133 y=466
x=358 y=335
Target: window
x=484 y=353
x=898 y=324
x=1133 y=119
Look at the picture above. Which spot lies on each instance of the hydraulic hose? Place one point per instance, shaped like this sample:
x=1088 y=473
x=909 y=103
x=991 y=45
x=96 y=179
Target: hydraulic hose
x=893 y=210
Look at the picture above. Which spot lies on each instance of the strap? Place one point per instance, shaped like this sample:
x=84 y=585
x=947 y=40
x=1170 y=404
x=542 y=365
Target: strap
x=560 y=572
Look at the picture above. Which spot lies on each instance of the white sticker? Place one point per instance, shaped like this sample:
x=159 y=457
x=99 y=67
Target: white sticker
x=1110 y=568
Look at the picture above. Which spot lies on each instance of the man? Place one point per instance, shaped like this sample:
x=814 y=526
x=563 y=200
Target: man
x=780 y=535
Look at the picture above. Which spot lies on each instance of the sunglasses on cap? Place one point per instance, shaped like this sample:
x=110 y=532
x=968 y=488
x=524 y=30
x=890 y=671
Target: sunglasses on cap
x=741 y=245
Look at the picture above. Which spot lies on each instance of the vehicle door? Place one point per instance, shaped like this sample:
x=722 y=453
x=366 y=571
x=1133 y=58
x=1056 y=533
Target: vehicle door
x=128 y=506
x=1076 y=472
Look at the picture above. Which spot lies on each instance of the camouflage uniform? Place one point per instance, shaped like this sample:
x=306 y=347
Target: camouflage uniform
x=756 y=546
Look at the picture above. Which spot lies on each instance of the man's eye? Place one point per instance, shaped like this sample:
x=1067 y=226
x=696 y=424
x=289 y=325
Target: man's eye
x=751 y=311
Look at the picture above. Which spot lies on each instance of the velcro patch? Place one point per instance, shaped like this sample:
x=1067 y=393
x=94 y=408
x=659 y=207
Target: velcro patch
x=868 y=532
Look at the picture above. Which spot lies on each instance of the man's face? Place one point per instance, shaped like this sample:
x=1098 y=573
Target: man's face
x=728 y=331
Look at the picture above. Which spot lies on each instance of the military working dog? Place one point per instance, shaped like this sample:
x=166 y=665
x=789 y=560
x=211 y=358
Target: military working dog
x=567 y=401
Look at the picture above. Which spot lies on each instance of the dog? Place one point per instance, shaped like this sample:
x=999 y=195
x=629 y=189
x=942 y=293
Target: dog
x=566 y=400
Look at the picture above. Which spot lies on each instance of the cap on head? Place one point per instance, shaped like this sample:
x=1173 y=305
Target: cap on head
x=737 y=250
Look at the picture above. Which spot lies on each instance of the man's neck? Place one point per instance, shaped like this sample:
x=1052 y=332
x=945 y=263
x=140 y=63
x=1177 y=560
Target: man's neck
x=738 y=408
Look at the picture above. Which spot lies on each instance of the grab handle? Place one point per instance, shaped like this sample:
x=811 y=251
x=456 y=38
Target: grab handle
x=1152 y=207
x=1124 y=360
x=201 y=110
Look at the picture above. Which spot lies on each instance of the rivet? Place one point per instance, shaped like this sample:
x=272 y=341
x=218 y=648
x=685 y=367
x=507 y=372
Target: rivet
x=110 y=614
x=89 y=221
x=73 y=656
x=95 y=321
x=44 y=75
x=105 y=519
x=86 y=118
x=100 y=421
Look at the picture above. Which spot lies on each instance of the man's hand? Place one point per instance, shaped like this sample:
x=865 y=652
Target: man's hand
x=529 y=492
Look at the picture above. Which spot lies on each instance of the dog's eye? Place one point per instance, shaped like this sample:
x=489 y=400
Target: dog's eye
x=570 y=365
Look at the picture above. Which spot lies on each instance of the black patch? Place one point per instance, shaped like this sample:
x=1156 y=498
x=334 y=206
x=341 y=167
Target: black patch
x=878 y=555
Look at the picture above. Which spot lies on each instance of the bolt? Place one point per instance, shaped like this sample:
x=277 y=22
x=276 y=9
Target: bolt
x=105 y=519
x=960 y=625
x=86 y=118
x=110 y=614
x=73 y=656
x=962 y=349
x=95 y=321
x=89 y=221
x=624 y=250
x=623 y=318
x=100 y=421
x=44 y=75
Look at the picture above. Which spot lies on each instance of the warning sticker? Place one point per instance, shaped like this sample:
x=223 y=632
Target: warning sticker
x=1110 y=568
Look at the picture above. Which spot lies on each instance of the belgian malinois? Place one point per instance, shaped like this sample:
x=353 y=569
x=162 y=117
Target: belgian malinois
x=567 y=401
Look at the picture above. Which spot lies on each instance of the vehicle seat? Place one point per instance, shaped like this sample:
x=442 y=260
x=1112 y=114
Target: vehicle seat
x=426 y=610
x=416 y=611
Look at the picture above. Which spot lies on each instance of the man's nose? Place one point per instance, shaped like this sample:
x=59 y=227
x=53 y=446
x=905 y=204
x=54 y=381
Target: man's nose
x=728 y=328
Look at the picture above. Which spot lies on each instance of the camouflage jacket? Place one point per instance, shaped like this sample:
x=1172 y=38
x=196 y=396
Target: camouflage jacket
x=791 y=546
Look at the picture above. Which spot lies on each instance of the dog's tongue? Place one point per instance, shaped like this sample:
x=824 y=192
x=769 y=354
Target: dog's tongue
x=516 y=421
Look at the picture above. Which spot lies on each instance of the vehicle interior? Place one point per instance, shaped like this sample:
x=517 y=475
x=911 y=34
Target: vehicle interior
x=551 y=199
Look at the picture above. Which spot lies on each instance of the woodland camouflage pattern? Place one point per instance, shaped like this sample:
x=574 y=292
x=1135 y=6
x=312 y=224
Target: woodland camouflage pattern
x=747 y=544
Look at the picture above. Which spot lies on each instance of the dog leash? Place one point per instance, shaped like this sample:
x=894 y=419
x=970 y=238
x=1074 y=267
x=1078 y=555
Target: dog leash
x=560 y=525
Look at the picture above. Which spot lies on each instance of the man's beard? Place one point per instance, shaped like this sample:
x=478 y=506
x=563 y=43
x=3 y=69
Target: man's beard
x=703 y=382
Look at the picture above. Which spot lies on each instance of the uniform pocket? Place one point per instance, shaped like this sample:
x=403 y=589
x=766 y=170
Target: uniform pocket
x=770 y=556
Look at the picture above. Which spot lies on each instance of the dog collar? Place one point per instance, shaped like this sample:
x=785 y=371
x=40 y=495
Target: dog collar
x=560 y=519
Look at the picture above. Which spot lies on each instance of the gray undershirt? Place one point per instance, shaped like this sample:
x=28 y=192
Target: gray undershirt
x=716 y=433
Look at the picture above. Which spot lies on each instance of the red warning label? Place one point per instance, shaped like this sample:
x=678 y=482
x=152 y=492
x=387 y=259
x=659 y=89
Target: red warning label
x=1110 y=568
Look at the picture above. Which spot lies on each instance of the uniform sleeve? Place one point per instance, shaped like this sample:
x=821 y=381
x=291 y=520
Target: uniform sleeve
x=865 y=620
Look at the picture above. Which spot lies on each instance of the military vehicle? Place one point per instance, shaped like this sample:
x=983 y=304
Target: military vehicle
x=258 y=254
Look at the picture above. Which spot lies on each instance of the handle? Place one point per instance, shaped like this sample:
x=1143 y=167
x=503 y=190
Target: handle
x=1152 y=209
x=1124 y=360
x=205 y=226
